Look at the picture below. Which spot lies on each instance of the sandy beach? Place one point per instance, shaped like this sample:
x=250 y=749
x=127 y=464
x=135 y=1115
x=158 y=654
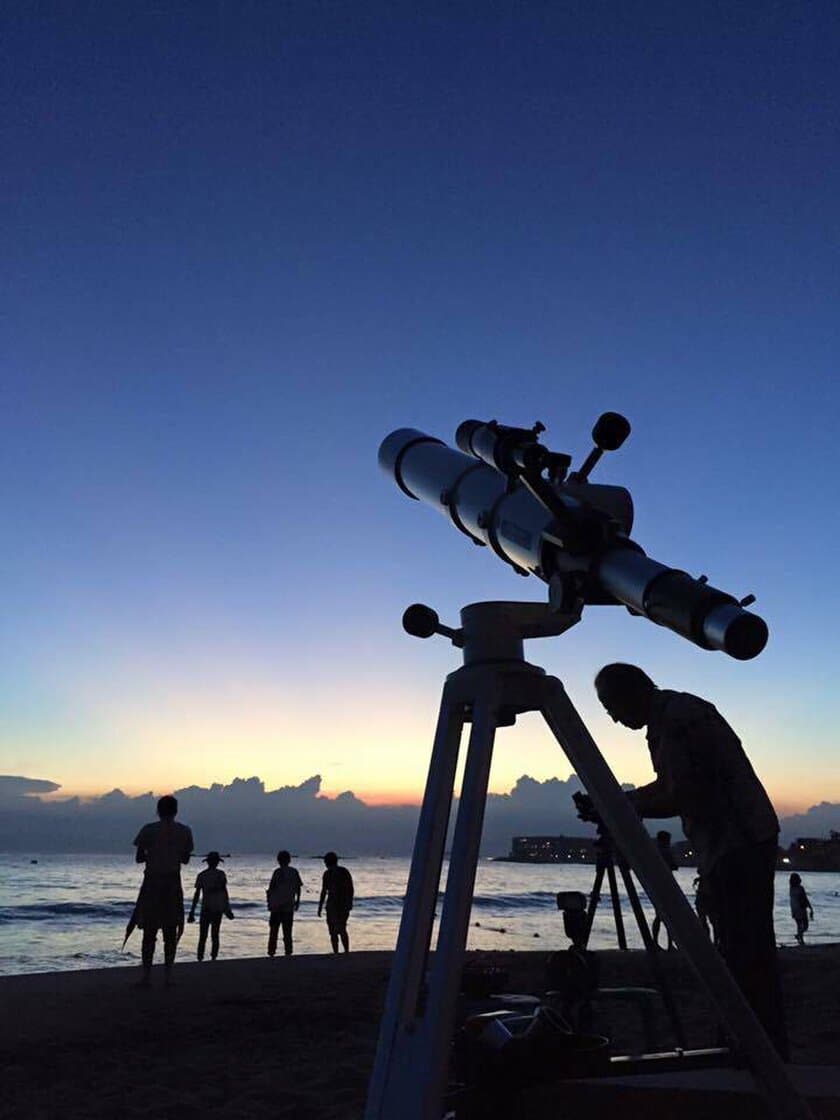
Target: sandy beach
x=295 y=1037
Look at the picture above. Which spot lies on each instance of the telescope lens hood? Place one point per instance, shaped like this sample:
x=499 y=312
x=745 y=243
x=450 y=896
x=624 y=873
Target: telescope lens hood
x=393 y=449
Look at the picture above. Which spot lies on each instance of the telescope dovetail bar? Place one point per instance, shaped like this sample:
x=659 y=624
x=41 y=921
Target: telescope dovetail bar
x=506 y=490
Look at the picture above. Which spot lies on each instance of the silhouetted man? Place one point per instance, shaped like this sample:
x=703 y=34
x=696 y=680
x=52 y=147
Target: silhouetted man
x=704 y=777
x=337 y=890
x=163 y=846
x=283 y=898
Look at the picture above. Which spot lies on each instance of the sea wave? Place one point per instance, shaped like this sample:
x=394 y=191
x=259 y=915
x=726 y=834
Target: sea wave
x=120 y=909
x=61 y=911
x=529 y=900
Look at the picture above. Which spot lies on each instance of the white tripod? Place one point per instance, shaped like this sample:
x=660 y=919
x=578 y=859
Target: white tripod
x=494 y=685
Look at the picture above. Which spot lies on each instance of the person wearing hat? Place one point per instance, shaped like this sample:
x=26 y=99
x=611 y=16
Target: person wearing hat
x=211 y=887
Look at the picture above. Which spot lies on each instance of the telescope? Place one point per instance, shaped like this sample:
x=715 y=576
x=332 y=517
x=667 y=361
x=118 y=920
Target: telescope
x=505 y=490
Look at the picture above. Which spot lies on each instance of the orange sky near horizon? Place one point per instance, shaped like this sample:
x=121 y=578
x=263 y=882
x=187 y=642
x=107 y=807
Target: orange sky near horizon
x=788 y=800
x=148 y=737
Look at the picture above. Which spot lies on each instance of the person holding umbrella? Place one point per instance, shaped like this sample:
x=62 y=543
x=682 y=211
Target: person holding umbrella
x=163 y=845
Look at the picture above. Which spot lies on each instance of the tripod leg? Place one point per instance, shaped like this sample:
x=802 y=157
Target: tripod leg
x=594 y=899
x=638 y=849
x=445 y=980
x=616 y=906
x=391 y=1077
x=653 y=955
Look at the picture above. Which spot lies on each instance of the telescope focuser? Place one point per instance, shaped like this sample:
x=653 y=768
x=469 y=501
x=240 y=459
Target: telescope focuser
x=519 y=456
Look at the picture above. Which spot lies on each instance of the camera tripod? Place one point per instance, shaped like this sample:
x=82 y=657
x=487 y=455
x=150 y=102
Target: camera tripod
x=607 y=860
x=495 y=685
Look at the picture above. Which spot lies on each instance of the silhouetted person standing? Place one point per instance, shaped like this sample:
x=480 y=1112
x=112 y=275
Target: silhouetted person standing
x=211 y=887
x=337 y=890
x=800 y=907
x=704 y=777
x=162 y=846
x=663 y=843
x=283 y=898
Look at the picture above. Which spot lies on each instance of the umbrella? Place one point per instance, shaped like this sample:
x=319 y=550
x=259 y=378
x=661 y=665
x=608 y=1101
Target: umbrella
x=130 y=928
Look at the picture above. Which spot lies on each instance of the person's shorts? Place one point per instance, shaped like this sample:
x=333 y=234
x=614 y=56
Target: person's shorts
x=337 y=920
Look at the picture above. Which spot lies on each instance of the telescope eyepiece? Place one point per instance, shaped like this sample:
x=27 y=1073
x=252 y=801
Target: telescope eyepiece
x=739 y=633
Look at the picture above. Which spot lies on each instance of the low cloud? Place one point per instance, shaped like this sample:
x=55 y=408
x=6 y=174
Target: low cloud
x=242 y=816
x=12 y=787
x=819 y=820
x=246 y=817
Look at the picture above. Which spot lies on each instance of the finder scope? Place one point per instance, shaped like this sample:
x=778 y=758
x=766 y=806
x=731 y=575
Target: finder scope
x=507 y=491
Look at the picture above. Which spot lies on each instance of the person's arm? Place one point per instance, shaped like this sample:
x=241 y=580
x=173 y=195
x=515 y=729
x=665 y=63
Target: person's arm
x=191 y=917
x=655 y=800
x=298 y=886
x=228 y=910
x=808 y=904
x=323 y=894
x=140 y=845
x=350 y=891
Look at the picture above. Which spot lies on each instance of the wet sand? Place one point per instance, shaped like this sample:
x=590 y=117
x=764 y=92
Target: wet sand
x=295 y=1037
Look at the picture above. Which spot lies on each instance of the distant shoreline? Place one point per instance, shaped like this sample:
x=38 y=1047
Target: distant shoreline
x=780 y=866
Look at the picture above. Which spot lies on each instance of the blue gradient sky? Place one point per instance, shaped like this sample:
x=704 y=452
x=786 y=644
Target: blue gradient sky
x=243 y=241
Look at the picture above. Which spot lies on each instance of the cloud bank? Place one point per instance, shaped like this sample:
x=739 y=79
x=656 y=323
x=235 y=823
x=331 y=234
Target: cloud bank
x=246 y=817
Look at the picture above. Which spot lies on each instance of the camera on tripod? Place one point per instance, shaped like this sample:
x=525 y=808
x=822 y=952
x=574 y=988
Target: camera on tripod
x=585 y=808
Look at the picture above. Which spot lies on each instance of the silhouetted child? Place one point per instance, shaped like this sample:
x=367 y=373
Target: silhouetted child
x=283 y=898
x=663 y=844
x=337 y=891
x=211 y=886
x=800 y=907
x=572 y=974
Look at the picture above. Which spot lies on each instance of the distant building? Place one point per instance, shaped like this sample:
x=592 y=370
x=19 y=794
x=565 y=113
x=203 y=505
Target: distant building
x=812 y=854
x=552 y=849
x=576 y=849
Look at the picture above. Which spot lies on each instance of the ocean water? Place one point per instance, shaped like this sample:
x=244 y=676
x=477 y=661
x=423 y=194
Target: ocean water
x=70 y=911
